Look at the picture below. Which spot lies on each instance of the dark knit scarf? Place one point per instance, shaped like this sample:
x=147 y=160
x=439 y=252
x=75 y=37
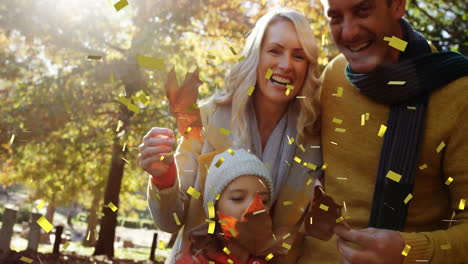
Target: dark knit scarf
x=423 y=72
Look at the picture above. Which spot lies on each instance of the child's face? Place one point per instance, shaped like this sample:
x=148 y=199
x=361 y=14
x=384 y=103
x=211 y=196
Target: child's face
x=238 y=195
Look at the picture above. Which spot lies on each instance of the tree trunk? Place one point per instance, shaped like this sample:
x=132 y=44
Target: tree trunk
x=45 y=237
x=92 y=221
x=105 y=245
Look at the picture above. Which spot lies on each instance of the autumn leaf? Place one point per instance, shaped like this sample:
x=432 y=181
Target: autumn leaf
x=324 y=213
x=182 y=100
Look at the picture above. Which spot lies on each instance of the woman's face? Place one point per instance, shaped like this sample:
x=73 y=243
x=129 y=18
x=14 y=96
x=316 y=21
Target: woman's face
x=281 y=52
x=238 y=195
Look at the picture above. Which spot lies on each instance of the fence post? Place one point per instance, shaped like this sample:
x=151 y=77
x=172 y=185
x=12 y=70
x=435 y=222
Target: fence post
x=58 y=240
x=9 y=218
x=153 y=247
x=34 y=233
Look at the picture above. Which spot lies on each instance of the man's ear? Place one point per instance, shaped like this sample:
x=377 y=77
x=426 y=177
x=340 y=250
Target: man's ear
x=398 y=8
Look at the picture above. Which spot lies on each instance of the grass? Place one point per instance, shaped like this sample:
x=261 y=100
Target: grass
x=136 y=254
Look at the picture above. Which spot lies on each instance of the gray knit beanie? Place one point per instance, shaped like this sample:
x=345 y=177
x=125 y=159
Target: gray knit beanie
x=229 y=165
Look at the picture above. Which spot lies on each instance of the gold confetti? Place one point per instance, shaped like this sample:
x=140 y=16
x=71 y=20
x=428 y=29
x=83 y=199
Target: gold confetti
x=289 y=87
x=408 y=198
x=193 y=192
x=286 y=203
x=339 y=219
x=337 y=121
x=211 y=227
x=334 y=143
x=393 y=176
x=263 y=2
x=440 y=147
x=396 y=43
x=297 y=159
x=176 y=218
x=211 y=262
x=311 y=220
x=125 y=160
x=111 y=78
x=40 y=205
x=188 y=130
x=300 y=97
x=445 y=246
x=287 y=235
x=211 y=209
x=290 y=140
x=406 y=250
x=230 y=151
x=396 y=83
x=102 y=214
x=112 y=206
x=382 y=130
x=161 y=158
x=65 y=246
x=230 y=261
x=119 y=125
x=363 y=119
x=309 y=181
x=302 y=148
x=12 y=139
x=341 y=130
x=211 y=57
x=269 y=257
x=268 y=74
x=367 y=116
x=44 y=224
x=26 y=259
x=449 y=181
x=411 y=107
x=119 y=5
x=124 y=146
x=286 y=246
x=233 y=51
x=339 y=92
x=251 y=90
x=233 y=232
x=267 y=164
x=92 y=57
x=461 y=206
x=217 y=196
x=226 y=250
x=241 y=58
x=224 y=131
x=161 y=245
x=219 y=162
x=323 y=207
x=259 y=212
x=287 y=92
x=150 y=62
x=324 y=166
x=311 y=166
x=422 y=167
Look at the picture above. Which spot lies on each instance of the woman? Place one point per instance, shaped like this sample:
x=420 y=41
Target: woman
x=281 y=62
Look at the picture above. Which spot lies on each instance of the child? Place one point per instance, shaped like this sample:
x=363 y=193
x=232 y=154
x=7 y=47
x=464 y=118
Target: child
x=245 y=185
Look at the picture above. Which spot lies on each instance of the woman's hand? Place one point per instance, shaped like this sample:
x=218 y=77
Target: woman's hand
x=157 y=143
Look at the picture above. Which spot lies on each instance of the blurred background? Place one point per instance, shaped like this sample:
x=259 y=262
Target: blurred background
x=69 y=142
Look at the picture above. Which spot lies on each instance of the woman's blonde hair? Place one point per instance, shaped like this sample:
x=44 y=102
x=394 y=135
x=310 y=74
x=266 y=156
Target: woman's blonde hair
x=244 y=74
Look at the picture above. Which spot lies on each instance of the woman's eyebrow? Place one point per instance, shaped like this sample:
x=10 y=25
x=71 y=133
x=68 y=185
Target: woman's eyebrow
x=237 y=190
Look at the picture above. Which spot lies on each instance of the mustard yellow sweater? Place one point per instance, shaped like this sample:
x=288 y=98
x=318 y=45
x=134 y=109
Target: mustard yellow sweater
x=353 y=158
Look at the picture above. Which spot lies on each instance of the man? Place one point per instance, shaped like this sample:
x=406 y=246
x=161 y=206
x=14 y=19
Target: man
x=399 y=161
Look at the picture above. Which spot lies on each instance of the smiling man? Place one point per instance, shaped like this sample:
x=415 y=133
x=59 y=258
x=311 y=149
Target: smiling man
x=399 y=162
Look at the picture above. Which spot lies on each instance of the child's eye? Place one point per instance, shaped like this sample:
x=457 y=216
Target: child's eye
x=237 y=199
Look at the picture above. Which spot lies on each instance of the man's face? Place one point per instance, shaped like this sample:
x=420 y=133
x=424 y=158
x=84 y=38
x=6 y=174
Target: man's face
x=359 y=27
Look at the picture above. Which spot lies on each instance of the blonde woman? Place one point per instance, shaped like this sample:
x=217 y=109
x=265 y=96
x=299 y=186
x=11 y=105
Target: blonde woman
x=278 y=123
